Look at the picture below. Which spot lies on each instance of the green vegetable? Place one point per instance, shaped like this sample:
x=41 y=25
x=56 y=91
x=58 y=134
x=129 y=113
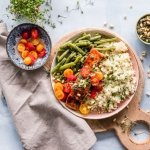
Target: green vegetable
x=70 y=57
x=106 y=40
x=58 y=65
x=28 y=9
x=106 y=48
x=77 y=59
x=80 y=44
x=84 y=37
x=63 y=55
x=76 y=48
x=95 y=38
x=68 y=65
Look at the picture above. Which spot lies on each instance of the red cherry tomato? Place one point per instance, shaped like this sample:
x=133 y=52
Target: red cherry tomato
x=32 y=58
x=85 y=71
x=34 y=33
x=25 y=35
x=67 y=88
x=71 y=78
x=93 y=94
x=94 y=81
x=30 y=46
x=42 y=53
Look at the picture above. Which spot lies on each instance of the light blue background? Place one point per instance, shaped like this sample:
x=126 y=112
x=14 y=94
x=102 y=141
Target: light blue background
x=110 y=11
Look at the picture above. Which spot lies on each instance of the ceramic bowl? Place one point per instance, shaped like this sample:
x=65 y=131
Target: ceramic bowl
x=74 y=35
x=148 y=43
x=13 y=38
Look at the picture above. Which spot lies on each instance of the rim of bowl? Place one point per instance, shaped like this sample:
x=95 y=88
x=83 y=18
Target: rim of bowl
x=29 y=69
x=137 y=32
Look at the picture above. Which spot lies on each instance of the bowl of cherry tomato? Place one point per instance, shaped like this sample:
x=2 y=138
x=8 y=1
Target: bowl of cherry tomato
x=28 y=46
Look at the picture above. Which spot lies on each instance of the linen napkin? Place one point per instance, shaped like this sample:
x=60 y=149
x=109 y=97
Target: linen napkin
x=41 y=122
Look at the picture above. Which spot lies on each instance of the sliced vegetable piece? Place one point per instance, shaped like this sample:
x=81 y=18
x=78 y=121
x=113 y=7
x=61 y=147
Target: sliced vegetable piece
x=25 y=54
x=84 y=109
x=67 y=87
x=68 y=72
x=59 y=94
x=58 y=86
x=39 y=47
x=21 y=47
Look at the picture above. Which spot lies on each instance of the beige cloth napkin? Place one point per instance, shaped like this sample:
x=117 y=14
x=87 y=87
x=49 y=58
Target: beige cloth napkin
x=41 y=122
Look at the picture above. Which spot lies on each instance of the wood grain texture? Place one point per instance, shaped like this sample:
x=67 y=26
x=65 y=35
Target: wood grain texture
x=131 y=114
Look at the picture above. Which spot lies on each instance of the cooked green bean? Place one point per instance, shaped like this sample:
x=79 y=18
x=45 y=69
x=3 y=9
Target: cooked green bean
x=77 y=59
x=94 y=38
x=58 y=65
x=105 y=40
x=86 y=36
x=63 y=55
x=106 y=48
x=100 y=46
x=82 y=59
x=76 y=48
x=80 y=44
x=68 y=65
x=65 y=45
x=70 y=57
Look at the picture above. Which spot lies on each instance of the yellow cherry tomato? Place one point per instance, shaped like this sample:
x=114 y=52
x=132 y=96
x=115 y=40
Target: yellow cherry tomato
x=34 y=54
x=59 y=94
x=39 y=47
x=25 y=54
x=27 y=61
x=58 y=86
x=68 y=72
x=35 y=41
x=21 y=47
x=24 y=41
x=84 y=109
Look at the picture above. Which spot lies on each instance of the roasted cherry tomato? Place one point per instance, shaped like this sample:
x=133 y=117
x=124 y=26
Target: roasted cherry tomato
x=34 y=33
x=30 y=46
x=66 y=87
x=84 y=109
x=85 y=71
x=68 y=72
x=93 y=94
x=42 y=53
x=71 y=78
x=94 y=81
x=25 y=35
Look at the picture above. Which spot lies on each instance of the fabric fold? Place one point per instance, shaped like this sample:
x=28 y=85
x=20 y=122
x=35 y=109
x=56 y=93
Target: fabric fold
x=40 y=120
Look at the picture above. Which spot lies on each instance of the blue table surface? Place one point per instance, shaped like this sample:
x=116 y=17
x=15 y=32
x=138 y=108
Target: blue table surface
x=111 y=12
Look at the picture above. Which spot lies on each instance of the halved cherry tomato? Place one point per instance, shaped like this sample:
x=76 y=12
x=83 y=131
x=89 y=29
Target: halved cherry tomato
x=30 y=46
x=66 y=87
x=84 y=109
x=35 y=41
x=24 y=54
x=58 y=86
x=94 y=81
x=71 y=78
x=34 y=33
x=93 y=94
x=85 y=71
x=21 y=47
x=32 y=59
x=42 y=53
x=25 y=34
x=27 y=61
x=68 y=72
x=24 y=41
x=99 y=75
x=39 y=47
x=34 y=54
x=59 y=94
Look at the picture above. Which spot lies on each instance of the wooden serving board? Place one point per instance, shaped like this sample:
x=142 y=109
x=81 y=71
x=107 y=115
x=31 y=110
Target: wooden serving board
x=123 y=121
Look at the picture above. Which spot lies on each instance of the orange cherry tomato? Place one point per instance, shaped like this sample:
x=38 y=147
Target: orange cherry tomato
x=68 y=72
x=39 y=47
x=27 y=61
x=94 y=81
x=21 y=47
x=35 y=41
x=84 y=109
x=99 y=75
x=58 y=86
x=24 y=41
x=34 y=54
x=25 y=54
x=59 y=94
